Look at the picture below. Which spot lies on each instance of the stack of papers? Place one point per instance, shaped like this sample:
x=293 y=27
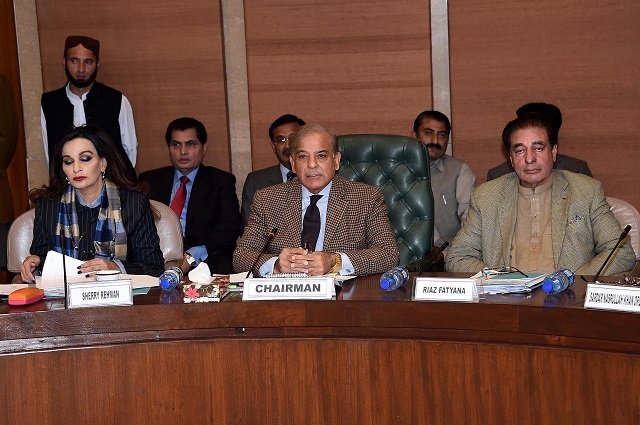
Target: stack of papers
x=52 y=279
x=510 y=283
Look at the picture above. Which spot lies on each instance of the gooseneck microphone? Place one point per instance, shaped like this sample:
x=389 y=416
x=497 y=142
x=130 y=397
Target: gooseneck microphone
x=270 y=236
x=623 y=235
x=432 y=258
x=64 y=280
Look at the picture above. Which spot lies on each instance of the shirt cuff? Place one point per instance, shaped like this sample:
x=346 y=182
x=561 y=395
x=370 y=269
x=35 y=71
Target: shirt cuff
x=267 y=266
x=198 y=252
x=347 y=267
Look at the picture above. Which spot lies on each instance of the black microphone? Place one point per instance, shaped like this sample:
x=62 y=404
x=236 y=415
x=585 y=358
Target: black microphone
x=64 y=280
x=623 y=235
x=432 y=258
x=270 y=236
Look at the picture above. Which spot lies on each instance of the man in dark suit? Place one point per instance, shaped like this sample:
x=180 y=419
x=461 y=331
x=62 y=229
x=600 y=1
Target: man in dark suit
x=203 y=197
x=343 y=224
x=279 y=133
x=550 y=113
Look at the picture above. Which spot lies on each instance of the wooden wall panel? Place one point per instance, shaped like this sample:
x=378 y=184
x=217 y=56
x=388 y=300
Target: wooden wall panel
x=321 y=381
x=356 y=67
x=582 y=56
x=168 y=62
x=17 y=170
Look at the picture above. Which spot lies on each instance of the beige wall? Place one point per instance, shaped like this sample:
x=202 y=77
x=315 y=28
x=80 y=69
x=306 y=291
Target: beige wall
x=364 y=66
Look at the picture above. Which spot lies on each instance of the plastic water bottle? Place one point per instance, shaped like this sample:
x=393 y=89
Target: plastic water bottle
x=558 y=281
x=394 y=278
x=170 y=278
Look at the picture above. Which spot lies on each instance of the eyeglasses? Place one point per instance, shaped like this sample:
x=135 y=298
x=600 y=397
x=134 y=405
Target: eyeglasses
x=489 y=272
x=281 y=139
x=191 y=144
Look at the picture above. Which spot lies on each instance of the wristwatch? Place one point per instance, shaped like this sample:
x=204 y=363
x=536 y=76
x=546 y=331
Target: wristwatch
x=189 y=259
x=337 y=263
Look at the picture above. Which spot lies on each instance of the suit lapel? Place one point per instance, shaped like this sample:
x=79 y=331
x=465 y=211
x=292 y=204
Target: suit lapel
x=198 y=193
x=165 y=185
x=275 y=177
x=292 y=217
x=559 y=213
x=335 y=211
x=507 y=219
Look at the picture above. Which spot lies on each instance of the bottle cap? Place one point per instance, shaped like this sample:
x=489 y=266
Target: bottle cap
x=385 y=283
x=547 y=285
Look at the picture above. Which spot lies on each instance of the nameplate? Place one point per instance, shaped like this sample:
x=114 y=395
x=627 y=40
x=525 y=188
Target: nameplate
x=445 y=289
x=613 y=297
x=299 y=288
x=100 y=293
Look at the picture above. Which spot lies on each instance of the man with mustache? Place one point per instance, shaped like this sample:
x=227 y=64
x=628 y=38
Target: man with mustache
x=538 y=219
x=279 y=133
x=451 y=179
x=83 y=100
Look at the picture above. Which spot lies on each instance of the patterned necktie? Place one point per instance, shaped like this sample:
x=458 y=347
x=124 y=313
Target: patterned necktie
x=181 y=195
x=290 y=176
x=311 y=224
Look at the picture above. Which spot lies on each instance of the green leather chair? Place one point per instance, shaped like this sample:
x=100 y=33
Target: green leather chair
x=400 y=167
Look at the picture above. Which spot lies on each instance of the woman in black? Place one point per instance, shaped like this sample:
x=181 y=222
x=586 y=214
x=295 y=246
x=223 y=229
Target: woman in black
x=92 y=212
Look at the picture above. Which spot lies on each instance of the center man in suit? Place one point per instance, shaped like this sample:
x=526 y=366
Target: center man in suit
x=538 y=219
x=203 y=197
x=343 y=224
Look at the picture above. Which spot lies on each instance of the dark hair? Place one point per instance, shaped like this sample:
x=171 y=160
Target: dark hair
x=185 y=123
x=528 y=121
x=285 y=119
x=308 y=129
x=436 y=115
x=544 y=111
x=116 y=169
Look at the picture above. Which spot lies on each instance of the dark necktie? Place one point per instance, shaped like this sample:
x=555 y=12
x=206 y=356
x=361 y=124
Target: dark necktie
x=311 y=224
x=290 y=176
x=180 y=197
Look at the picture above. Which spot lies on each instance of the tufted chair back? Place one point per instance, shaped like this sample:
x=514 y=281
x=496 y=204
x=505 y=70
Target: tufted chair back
x=400 y=167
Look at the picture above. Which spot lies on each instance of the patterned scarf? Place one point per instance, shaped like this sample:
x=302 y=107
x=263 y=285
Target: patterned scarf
x=106 y=244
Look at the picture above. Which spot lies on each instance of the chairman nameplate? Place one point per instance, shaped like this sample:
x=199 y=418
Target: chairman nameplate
x=613 y=297
x=100 y=293
x=298 y=288
x=445 y=289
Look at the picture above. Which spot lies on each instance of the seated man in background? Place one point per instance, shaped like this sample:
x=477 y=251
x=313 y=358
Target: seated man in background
x=552 y=114
x=279 y=133
x=203 y=197
x=538 y=219
x=451 y=179
x=324 y=222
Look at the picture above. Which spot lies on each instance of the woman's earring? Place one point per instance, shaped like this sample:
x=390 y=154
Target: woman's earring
x=102 y=174
x=67 y=179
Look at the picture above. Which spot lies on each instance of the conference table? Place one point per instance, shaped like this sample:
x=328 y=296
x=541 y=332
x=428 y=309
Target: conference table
x=367 y=357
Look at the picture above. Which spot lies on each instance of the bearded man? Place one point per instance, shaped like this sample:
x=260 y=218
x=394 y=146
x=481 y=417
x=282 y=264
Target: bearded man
x=83 y=100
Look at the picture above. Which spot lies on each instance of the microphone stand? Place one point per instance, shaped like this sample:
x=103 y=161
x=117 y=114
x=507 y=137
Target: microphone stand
x=270 y=236
x=623 y=235
x=64 y=280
